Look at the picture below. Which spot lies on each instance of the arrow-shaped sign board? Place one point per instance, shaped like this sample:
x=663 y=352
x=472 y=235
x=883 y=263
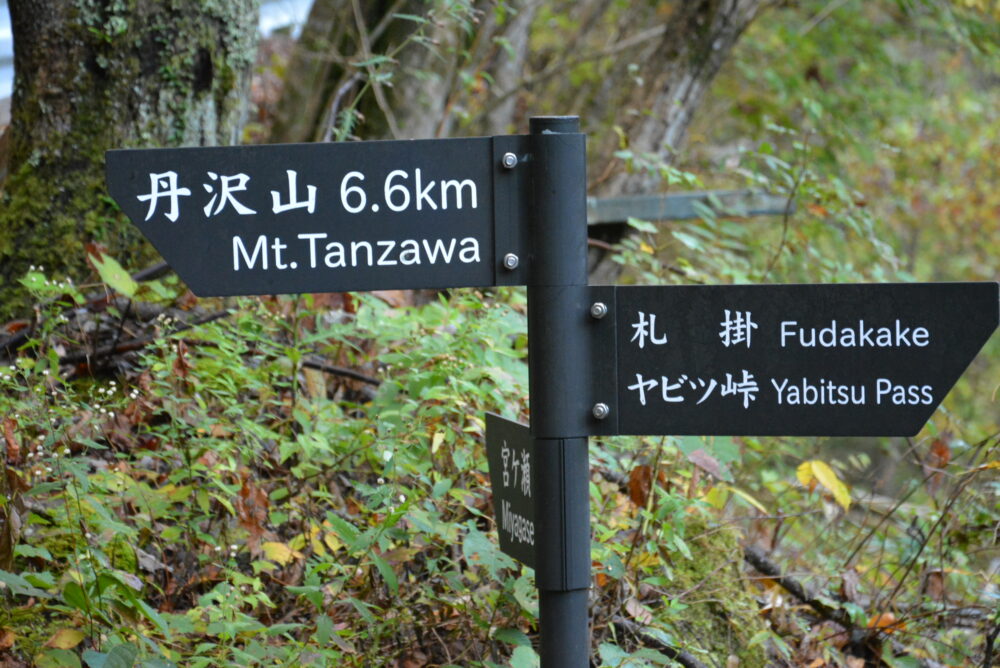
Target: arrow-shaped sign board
x=510 y=453
x=332 y=217
x=790 y=360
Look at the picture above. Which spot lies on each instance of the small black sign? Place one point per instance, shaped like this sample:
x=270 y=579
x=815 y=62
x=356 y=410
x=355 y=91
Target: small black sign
x=793 y=360
x=322 y=217
x=510 y=452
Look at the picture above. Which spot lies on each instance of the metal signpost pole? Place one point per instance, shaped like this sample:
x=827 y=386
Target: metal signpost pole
x=558 y=366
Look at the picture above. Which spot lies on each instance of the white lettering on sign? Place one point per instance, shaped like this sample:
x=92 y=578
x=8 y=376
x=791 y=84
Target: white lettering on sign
x=230 y=184
x=823 y=392
x=518 y=473
x=516 y=479
x=164 y=185
x=520 y=528
x=646 y=329
x=887 y=391
x=400 y=191
x=677 y=389
x=787 y=391
x=347 y=254
x=293 y=202
x=664 y=382
x=857 y=335
x=737 y=328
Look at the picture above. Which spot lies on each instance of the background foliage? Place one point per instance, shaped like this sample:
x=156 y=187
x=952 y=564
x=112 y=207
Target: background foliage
x=301 y=480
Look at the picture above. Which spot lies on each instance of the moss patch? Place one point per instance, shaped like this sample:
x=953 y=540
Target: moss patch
x=722 y=614
x=111 y=75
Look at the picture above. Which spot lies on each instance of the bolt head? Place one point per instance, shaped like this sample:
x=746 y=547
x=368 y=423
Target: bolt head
x=601 y=411
x=510 y=261
x=598 y=310
x=509 y=160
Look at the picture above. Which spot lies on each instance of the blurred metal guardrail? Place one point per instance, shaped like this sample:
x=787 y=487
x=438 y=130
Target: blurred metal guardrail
x=686 y=206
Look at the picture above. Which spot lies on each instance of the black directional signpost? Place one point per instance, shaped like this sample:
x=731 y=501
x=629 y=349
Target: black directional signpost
x=789 y=360
x=793 y=360
x=510 y=450
x=250 y=220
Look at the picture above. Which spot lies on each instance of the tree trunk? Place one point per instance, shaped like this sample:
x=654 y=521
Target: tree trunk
x=435 y=84
x=675 y=75
x=313 y=71
x=92 y=75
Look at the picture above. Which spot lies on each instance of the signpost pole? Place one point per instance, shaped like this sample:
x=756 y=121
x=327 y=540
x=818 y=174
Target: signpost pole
x=558 y=367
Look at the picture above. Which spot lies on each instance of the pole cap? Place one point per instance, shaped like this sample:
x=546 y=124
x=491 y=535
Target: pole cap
x=554 y=124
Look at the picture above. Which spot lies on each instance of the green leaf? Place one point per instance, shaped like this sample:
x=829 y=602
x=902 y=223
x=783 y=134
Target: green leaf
x=612 y=655
x=75 y=597
x=324 y=630
x=480 y=550
x=524 y=657
x=347 y=532
x=374 y=60
x=388 y=574
x=32 y=551
x=642 y=225
x=279 y=629
x=94 y=659
x=42 y=580
x=120 y=656
x=20 y=586
x=688 y=240
x=114 y=275
x=513 y=637
x=411 y=17
x=57 y=658
x=526 y=595
x=157 y=663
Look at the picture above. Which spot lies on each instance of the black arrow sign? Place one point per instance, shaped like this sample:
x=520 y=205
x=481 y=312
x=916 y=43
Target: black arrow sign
x=328 y=217
x=790 y=360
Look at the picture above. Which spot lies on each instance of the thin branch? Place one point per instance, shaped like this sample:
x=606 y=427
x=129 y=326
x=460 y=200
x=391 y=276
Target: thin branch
x=789 y=206
x=991 y=639
x=821 y=16
x=559 y=67
x=325 y=367
x=366 y=52
x=9 y=346
x=681 y=656
x=335 y=105
x=135 y=344
x=760 y=561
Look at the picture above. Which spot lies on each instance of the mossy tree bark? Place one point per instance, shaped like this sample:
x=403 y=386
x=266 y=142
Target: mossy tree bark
x=91 y=75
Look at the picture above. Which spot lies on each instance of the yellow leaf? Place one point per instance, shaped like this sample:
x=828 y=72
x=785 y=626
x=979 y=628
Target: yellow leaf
x=297 y=542
x=279 y=552
x=436 y=441
x=332 y=542
x=65 y=639
x=749 y=499
x=805 y=475
x=315 y=540
x=717 y=496
x=317 y=546
x=643 y=246
x=828 y=478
